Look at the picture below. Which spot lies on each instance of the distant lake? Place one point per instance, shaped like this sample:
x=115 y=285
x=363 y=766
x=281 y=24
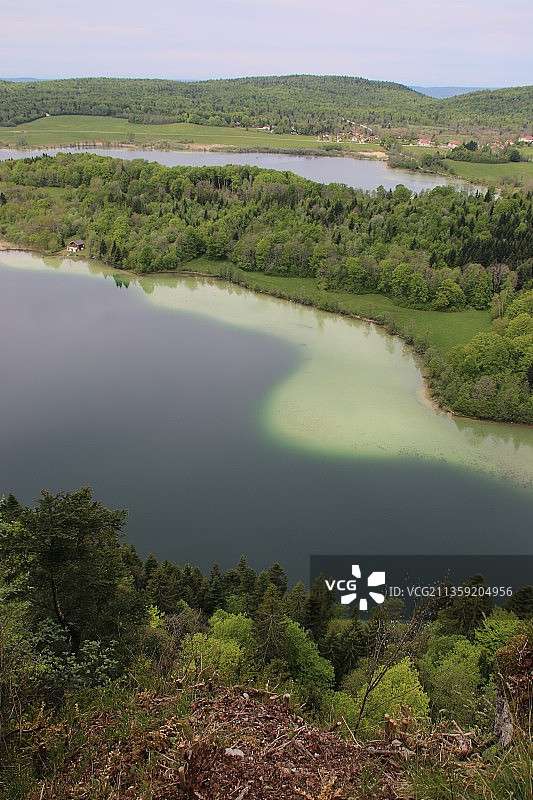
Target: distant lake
x=359 y=173
x=233 y=423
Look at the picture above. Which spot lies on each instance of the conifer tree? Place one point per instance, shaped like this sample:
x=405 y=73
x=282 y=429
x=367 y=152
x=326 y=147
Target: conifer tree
x=297 y=604
x=269 y=627
x=319 y=608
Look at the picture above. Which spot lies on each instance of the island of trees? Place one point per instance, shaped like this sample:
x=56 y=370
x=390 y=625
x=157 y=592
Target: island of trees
x=440 y=250
x=129 y=677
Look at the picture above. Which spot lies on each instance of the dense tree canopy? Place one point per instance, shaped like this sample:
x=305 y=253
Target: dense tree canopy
x=310 y=103
x=147 y=217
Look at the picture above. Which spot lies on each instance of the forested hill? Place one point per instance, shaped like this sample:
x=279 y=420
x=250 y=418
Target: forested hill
x=490 y=105
x=308 y=102
x=311 y=104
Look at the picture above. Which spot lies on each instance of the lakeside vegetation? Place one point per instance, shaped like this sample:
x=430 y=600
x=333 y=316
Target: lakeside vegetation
x=415 y=325
x=118 y=671
x=503 y=167
x=441 y=251
x=308 y=103
x=98 y=131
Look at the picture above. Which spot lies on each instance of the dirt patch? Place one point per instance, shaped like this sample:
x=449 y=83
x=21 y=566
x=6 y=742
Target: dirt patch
x=372 y=154
x=8 y=245
x=236 y=745
x=260 y=749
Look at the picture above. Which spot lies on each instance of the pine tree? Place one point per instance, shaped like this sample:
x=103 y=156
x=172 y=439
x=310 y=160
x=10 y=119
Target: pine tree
x=215 y=598
x=521 y=602
x=200 y=588
x=297 y=604
x=150 y=565
x=277 y=576
x=165 y=587
x=468 y=611
x=319 y=608
x=247 y=577
x=269 y=627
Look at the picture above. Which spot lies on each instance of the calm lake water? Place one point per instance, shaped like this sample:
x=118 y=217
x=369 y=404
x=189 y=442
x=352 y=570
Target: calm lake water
x=323 y=169
x=231 y=423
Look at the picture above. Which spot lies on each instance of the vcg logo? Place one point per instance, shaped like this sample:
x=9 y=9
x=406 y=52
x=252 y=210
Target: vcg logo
x=348 y=588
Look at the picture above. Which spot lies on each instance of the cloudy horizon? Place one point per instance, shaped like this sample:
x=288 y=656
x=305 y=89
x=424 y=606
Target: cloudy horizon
x=460 y=43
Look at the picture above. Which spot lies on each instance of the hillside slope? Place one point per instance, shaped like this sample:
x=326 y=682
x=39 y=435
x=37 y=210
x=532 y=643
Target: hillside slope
x=494 y=106
x=309 y=103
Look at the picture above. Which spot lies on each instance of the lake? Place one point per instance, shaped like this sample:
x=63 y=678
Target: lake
x=233 y=423
x=359 y=173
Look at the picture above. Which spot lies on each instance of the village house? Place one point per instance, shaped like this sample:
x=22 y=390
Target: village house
x=453 y=145
x=526 y=139
x=75 y=246
x=425 y=143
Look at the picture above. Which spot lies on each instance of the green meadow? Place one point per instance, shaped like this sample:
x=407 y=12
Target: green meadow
x=513 y=174
x=71 y=130
x=510 y=174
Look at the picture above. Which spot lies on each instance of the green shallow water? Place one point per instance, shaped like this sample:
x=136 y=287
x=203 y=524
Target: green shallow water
x=297 y=425
x=357 y=390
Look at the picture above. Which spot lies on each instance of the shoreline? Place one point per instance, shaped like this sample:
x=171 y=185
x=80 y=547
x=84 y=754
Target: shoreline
x=193 y=147
x=196 y=147
x=5 y=246
x=425 y=394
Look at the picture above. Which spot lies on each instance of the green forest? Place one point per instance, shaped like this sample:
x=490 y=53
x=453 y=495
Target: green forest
x=125 y=677
x=441 y=250
x=307 y=103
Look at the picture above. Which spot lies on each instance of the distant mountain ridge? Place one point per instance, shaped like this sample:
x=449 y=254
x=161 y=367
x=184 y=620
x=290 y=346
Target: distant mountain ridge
x=22 y=80
x=308 y=104
x=442 y=92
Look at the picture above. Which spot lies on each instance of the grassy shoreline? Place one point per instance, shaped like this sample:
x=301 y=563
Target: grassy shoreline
x=80 y=131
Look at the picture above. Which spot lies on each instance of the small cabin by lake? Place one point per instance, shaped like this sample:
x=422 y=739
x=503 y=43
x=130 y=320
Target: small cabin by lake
x=75 y=246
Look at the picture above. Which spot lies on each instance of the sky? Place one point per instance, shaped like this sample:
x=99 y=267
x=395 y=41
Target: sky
x=432 y=43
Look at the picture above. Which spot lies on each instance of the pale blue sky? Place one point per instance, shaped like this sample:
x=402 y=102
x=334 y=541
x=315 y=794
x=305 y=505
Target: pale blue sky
x=449 y=42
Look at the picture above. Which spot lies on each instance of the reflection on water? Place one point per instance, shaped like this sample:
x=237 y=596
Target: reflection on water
x=242 y=423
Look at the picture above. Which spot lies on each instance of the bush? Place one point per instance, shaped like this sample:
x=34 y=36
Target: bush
x=400 y=688
x=205 y=655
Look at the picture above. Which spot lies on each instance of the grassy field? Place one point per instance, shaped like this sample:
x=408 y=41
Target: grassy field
x=519 y=174
x=511 y=173
x=70 y=130
x=441 y=330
